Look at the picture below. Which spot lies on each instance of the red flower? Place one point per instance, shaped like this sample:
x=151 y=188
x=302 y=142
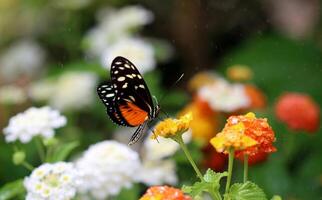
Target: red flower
x=164 y=193
x=214 y=160
x=298 y=111
x=255 y=159
x=257 y=98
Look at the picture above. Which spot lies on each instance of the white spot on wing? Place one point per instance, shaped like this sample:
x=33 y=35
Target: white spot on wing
x=110 y=95
x=139 y=76
x=129 y=76
x=116 y=72
x=122 y=78
x=118 y=63
x=125 y=85
x=127 y=66
x=141 y=86
x=121 y=68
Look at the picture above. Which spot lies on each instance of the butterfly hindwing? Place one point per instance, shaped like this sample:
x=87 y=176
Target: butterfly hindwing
x=107 y=95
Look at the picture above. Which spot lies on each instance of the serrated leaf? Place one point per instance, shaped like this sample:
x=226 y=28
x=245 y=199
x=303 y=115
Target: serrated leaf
x=246 y=191
x=210 y=184
x=63 y=151
x=12 y=190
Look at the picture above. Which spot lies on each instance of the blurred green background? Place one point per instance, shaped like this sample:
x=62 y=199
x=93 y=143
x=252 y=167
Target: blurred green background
x=279 y=40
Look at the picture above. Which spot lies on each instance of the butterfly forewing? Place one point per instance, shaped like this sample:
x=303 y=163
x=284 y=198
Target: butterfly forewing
x=129 y=84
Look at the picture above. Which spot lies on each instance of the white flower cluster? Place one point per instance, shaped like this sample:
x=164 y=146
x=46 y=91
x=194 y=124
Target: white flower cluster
x=11 y=94
x=56 y=181
x=106 y=168
x=34 y=121
x=114 y=37
x=157 y=168
x=224 y=96
x=24 y=57
x=71 y=91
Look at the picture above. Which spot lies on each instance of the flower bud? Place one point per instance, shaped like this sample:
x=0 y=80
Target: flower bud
x=18 y=157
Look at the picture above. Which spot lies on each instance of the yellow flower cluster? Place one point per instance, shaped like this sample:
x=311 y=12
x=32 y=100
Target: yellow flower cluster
x=232 y=136
x=171 y=127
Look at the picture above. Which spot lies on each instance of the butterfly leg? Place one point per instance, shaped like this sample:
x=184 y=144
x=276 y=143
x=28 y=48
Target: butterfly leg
x=138 y=133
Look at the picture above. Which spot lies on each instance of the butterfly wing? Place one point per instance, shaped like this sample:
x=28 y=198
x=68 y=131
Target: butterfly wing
x=132 y=95
x=107 y=96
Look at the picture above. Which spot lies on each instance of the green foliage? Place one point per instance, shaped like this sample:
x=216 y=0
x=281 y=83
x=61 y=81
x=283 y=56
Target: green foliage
x=210 y=184
x=246 y=191
x=12 y=190
x=62 y=151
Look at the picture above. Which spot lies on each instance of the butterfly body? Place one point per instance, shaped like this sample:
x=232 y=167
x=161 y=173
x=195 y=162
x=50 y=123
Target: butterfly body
x=127 y=98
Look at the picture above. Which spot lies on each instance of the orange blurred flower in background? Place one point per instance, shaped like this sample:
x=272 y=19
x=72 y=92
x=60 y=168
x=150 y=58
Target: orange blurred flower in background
x=256 y=96
x=204 y=123
x=164 y=193
x=298 y=111
x=201 y=79
x=239 y=73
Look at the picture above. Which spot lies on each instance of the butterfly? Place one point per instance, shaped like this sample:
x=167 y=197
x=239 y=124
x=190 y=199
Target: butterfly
x=127 y=98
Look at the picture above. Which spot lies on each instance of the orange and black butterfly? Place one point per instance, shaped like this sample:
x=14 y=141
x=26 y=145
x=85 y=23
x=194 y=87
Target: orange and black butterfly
x=127 y=98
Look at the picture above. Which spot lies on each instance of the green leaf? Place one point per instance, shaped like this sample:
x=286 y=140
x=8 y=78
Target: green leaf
x=12 y=190
x=246 y=191
x=211 y=184
x=63 y=151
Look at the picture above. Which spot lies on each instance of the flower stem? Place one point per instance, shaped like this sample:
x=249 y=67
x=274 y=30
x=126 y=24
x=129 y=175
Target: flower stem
x=179 y=140
x=27 y=165
x=40 y=149
x=230 y=168
x=245 y=168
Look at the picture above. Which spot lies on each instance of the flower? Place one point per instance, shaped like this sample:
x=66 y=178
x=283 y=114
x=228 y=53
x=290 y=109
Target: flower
x=298 y=111
x=239 y=73
x=11 y=94
x=42 y=90
x=24 y=57
x=201 y=79
x=171 y=127
x=162 y=148
x=114 y=25
x=223 y=96
x=257 y=98
x=214 y=160
x=255 y=159
x=156 y=172
x=138 y=51
x=256 y=128
x=34 y=121
x=73 y=91
x=56 y=181
x=106 y=168
x=164 y=193
x=232 y=136
x=204 y=123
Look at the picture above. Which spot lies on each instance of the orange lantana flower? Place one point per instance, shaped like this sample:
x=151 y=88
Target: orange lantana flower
x=259 y=130
x=164 y=193
x=257 y=98
x=239 y=73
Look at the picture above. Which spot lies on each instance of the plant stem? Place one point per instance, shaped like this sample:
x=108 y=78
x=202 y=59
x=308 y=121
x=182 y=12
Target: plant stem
x=230 y=168
x=245 y=167
x=40 y=149
x=27 y=165
x=179 y=140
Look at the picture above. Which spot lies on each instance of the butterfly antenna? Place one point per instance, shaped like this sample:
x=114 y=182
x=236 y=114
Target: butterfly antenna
x=175 y=83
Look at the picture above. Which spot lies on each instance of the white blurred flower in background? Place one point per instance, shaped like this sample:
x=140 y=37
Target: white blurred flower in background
x=158 y=172
x=56 y=181
x=24 y=57
x=138 y=51
x=11 y=94
x=106 y=168
x=224 y=96
x=74 y=90
x=42 y=90
x=157 y=168
x=33 y=122
x=114 y=25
